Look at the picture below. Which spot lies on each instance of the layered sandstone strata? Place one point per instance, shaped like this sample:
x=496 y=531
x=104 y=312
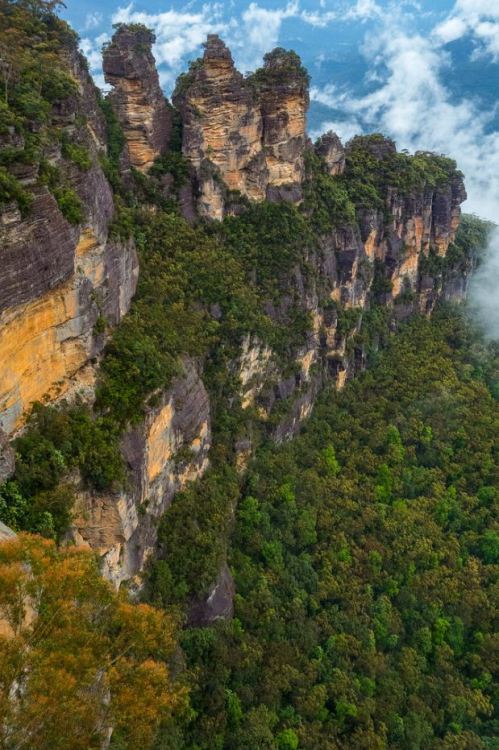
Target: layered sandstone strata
x=222 y=129
x=137 y=98
x=420 y=221
x=168 y=450
x=282 y=86
x=58 y=279
x=243 y=134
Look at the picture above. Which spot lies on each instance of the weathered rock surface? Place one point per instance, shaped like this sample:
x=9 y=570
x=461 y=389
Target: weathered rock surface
x=217 y=605
x=330 y=148
x=355 y=268
x=168 y=450
x=222 y=129
x=6 y=533
x=240 y=134
x=58 y=279
x=420 y=222
x=137 y=97
x=282 y=86
x=7 y=458
x=243 y=134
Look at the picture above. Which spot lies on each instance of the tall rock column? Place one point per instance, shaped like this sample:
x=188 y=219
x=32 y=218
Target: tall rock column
x=137 y=99
x=222 y=129
x=282 y=86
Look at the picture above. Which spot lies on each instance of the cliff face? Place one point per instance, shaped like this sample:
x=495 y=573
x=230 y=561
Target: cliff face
x=168 y=450
x=420 y=221
x=243 y=134
x=137 y=98
x=377 y=262
x=330 y=148
x=282 y=87
x=222 y=129
x=58 y=277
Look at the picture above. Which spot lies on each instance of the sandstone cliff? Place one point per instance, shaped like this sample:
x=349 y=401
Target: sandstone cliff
x=61 y=281
x=58 y=278
x=137 y=98
x=169 y=449
x=244 y=135
x=384 y=260
x=222 y=129
x=282 y=87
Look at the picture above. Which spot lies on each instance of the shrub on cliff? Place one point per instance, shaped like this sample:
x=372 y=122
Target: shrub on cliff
x=56 y=442
x=373 y=167
x=280 y=67
x=34 y=75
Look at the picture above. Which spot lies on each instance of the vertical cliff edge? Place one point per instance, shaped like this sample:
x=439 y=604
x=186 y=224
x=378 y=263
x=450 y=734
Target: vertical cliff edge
x=64 y=278
x=372 y=241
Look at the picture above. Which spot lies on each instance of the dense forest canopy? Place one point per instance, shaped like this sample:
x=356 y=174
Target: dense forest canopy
x=365 y=555
x=365 y=552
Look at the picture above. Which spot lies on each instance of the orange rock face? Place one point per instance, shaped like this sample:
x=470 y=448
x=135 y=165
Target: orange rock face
x=243 y=134
x=57 y=279
x=137 y=97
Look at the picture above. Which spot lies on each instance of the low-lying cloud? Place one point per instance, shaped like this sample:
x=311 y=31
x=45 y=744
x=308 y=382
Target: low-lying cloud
x=484 y=290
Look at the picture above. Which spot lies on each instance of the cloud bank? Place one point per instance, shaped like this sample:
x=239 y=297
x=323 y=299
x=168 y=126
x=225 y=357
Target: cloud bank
x=477 y=18
x=484 y=292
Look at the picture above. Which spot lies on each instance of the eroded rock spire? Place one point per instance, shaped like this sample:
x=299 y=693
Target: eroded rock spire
x=137 y=98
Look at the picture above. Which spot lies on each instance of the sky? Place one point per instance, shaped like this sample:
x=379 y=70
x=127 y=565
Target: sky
x=425 y=73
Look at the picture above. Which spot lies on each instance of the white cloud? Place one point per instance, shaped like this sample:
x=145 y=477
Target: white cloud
x=479 y=19
x=364 y=10
x=345 y=129
x=93 y=21
x=451 y=29
x=178 y=33
x=91 y=48
x=259 y=32
x=485 y=290
x=328 y=95
x=413 y=106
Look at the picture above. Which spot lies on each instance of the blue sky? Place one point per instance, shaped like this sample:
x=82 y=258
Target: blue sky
x=426 y=73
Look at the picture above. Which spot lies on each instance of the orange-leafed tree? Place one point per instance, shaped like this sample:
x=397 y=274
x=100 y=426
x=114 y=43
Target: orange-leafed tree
x=81 y=667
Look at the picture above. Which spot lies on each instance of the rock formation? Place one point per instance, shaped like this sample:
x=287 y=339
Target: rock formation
x=169 y=449
x=330 y=148
x=243 y=134
x=7 y=458
x=137 y=98
x=421 y=220
x=282 y=86
x=57 y=279
x=222 y=129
